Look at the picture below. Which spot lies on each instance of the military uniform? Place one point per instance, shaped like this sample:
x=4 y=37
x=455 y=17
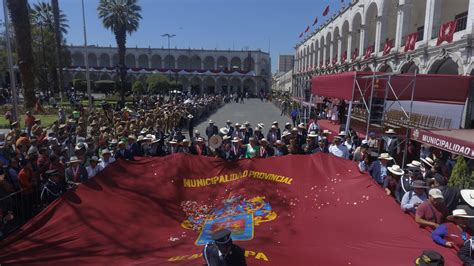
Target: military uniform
x=223 y=252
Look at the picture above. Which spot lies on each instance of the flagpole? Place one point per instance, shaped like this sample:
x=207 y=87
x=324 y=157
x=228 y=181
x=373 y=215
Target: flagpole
x=10 y=62
x=88 y=81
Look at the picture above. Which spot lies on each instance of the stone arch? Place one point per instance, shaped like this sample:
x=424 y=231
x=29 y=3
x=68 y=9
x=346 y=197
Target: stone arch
x=235 y=85
x=222 y=85
x=222 y=63
x=249 y=63
x=250 y=86
x=115 y=60
x=209 y=63
x=389 y=22
x=92 y=59
x=385 y=68
x=370 y=24
x=104 y=60
x=209 y=85
x=78 y=59
x=196 y=85
x=169 y=62
x=143 y=61
x=409 y=67
x=184 y=62
x=235 y=63
x=445 y=66
x=105 y=76
x=156 y=61
x=130 y=60
x=196 y=62
x=356 y=31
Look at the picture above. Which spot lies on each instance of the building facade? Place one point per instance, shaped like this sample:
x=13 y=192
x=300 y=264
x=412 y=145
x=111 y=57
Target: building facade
x=203 y=71
x=286 y=63
x=398 y=36
x=282 y=82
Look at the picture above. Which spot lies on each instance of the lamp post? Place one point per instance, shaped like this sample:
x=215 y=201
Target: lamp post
x=10 y=62
x=169 y=36
x=88 y=81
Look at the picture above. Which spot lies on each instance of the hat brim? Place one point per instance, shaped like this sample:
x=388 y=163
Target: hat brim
x=395 y=172
x=426 y=162
x=468 y=196
x=385 y=158
x=451 y=217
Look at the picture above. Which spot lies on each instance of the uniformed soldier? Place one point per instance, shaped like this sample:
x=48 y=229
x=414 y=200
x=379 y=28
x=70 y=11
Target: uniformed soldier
x=223 y=252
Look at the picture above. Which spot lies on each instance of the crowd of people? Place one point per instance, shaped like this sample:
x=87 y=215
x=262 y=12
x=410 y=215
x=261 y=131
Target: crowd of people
x=39 y=164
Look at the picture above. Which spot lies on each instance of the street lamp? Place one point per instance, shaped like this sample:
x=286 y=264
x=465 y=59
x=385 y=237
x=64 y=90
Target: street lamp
x=88 y=81
x=169 y=36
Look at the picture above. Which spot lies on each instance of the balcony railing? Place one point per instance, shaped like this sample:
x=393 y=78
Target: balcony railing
x=461 y=23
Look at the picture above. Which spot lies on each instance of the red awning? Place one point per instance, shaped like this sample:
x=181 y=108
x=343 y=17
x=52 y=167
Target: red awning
x=458 y=141
x=428 y=87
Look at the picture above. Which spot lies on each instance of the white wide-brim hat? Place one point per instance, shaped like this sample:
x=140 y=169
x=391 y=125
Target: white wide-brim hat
x=390 y=131
x=428 y=161
x=468 y=196
x=414 y=163
x=395 y=169
x=459 y=213
x=385 y=156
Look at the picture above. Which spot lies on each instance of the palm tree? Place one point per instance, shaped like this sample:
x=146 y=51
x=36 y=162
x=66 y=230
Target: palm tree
x=21 y=26
x=42 y=14
x=120 y=16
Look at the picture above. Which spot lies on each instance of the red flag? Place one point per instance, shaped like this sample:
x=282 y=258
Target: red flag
x=315 y=21
x=411 y=41
x=387 y=47
x=301 y=35
x=307 y=29
x=334 y=60
x=344 y=57
x=355 y=54
x=368 y=51
x=446 y=32
x=326 y=11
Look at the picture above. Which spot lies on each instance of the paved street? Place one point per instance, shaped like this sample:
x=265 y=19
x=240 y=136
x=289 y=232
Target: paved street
x=253 y=110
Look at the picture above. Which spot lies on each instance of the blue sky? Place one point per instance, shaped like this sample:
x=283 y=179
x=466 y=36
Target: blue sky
x=222 y=24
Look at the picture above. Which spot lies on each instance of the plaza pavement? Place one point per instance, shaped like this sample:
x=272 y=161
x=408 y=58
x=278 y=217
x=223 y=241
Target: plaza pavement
x=253 y=110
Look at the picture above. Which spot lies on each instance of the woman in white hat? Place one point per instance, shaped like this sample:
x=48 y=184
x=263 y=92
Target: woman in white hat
x=453 y=233
x=391 y=183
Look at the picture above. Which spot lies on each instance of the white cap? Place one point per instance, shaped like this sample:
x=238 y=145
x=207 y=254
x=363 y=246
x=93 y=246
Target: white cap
x=436 y=193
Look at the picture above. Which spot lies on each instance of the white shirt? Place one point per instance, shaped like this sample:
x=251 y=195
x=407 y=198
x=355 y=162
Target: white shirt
x=105 y=164
x=91 y=172
x=339 y=151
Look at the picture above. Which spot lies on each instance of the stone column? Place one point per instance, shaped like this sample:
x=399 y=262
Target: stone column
x=331 y=50
x=349 y=46
x=339 y=49
x=362 y=40
x=378 y=35
x=432 y=18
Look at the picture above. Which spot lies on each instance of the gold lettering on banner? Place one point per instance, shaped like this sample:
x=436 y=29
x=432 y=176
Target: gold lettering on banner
x=231 y=177
x=248 y=253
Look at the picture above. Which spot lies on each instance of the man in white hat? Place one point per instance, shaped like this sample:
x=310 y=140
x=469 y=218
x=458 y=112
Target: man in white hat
x=378 y=169
x=122 y=152
x=337 y=149
x=391 y=142
x=453 y=233
x=412 y=199
x=432 y=212
x=272 y=135
x=211 y=130
x=76 y=173
x=106 y=158
x=94 y=167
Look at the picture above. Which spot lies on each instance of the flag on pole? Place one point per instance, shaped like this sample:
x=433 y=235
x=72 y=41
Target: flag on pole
x=307 y=29
x=326 y=11
x=344 y=57
x=411 y=41
x=315 y=21
x=446 y=32
x=368 y=51
x=387 y=47
x=301 y=35
x=355 y=54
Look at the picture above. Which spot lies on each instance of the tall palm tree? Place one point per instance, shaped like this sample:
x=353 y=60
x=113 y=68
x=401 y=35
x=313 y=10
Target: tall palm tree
x=121 y=17
x=42 y=14
x=21 y=26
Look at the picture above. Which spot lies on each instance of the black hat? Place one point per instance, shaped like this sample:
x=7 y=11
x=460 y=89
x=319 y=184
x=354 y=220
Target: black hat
x=430 y=258
x=440 y=179
x=222 y=237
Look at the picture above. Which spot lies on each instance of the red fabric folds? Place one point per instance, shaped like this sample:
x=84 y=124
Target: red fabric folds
x=292 y=210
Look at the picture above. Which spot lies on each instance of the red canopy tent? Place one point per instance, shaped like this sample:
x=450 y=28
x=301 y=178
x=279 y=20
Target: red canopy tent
x=291 y=210
x=431 y=88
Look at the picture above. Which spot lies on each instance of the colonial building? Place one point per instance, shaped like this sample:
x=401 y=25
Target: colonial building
x=389 y=36
x=282 y=82
x=203 y=71
x=286 y=63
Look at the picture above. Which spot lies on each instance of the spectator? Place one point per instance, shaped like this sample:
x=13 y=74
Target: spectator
x=75 y=173
x=94 y=167
x=106 y=158
x=391 y=183
x=378 y=169
x=451 y=195
x=53 y=188
x=452 y=234
x=337 y=149
x=412 y=199
x=432 y=212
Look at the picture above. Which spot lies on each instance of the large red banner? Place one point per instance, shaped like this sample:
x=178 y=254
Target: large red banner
x=291 y=210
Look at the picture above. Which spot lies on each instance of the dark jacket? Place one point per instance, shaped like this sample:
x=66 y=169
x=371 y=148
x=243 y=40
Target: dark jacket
x=466 y=253
x=235 y=258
